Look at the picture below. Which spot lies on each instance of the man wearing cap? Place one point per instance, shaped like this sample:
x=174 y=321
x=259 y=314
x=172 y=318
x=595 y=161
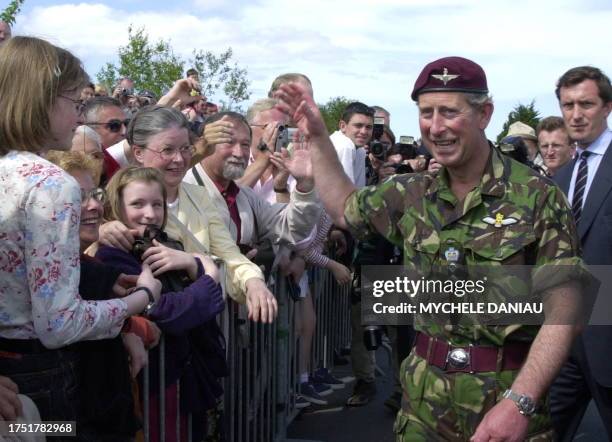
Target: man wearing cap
x=497 y=391
x=528 y=135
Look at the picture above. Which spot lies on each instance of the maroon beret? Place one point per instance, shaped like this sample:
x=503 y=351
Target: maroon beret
x=451 y=74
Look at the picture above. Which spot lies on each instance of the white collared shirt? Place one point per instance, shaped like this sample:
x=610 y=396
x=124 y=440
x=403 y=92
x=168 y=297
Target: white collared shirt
x=598 y=149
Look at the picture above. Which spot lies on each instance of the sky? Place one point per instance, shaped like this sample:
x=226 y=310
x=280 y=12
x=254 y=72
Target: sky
x=367 y=50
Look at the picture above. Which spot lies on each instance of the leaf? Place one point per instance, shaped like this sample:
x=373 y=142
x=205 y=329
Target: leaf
x=11 y=11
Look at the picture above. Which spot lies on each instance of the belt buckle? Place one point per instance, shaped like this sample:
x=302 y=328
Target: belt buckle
x=459 y=358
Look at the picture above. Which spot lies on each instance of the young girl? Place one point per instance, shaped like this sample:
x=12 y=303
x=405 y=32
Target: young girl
x=191 y=298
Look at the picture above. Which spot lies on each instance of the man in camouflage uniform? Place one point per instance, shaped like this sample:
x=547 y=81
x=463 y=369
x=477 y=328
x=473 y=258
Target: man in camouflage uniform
x=463 y=205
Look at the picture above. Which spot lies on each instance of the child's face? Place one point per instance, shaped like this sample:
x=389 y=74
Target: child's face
x=143 y=205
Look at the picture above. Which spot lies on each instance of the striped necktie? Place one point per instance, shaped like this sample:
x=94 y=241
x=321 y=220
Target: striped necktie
x=580 y=185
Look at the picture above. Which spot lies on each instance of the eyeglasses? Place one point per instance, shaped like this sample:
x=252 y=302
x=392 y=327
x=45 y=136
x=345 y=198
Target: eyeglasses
x=112 y=125
x=168 y=153
x=98 y=194
x=79 y=104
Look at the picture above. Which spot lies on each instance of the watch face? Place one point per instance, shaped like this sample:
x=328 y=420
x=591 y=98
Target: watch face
x=526 y=404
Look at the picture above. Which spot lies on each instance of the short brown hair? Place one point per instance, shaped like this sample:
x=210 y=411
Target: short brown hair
x=577 y=75
x=550 y=124
x=33 y=73
x=113 y=209
x=72 y=161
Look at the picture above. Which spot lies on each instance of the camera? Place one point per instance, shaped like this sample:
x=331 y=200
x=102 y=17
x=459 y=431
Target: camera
x=173 y=280
x=126 y=92
x=285 y=136
x=377 y=148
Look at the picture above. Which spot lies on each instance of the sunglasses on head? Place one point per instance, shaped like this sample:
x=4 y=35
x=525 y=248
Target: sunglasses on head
x=112 y=125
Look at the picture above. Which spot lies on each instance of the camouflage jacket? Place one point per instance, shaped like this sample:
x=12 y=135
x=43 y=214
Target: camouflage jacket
x=514 y=217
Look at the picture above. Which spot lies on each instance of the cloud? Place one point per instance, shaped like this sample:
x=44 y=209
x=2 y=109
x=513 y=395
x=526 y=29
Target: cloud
x=363 y=49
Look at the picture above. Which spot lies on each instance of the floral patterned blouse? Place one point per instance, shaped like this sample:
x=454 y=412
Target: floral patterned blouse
x=39 y=258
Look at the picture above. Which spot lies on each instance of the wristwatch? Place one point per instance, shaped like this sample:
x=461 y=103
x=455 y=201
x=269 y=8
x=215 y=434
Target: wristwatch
x=151 y=302
x=525 y=404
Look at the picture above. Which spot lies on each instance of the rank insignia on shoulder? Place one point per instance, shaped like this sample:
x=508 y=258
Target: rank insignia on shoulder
x=499 y=220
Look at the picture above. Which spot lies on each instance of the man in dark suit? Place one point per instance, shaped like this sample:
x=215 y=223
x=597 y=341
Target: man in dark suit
x=585 y=98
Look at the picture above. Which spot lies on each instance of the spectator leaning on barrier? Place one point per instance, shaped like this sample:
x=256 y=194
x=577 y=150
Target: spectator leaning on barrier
x=585 y=98
x=423 y=213
x=554 y=143
x=39 y=226
x=160 y=138
x=355 y=131
x=252 y=220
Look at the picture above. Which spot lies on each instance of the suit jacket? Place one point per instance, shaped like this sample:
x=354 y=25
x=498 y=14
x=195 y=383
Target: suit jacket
x=595 y=234
x=279 y=224
x=200 y=228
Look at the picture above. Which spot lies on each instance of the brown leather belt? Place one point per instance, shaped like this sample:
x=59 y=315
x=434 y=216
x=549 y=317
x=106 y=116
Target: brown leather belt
x=471 y=359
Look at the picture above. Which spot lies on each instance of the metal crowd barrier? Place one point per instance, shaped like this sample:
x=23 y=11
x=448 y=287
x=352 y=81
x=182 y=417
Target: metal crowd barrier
x=263 y=360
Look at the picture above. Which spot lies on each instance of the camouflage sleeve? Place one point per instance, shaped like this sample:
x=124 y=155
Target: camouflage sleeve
x=377 y=209
x=557 y=257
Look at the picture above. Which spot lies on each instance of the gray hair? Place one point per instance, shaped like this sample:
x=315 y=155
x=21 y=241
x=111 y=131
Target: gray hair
x=151 y=120
x=477 y=101
x=260 y=106
x=95 y=105
x=88 y=132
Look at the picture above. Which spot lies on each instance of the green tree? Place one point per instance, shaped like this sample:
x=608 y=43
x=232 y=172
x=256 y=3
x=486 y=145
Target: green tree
x=332 y=112
x=527 y=114
x=152 y=65
x=218 y=74
x=11 y=11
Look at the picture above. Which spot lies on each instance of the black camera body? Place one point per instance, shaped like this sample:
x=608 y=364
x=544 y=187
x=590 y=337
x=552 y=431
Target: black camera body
x=377 y=148
x=173 y=280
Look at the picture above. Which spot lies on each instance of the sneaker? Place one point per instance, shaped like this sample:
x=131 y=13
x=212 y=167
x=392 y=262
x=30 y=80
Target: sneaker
x=394 y=402
x=301 y=402
x=321 y=388
x=308 y=392
x=323 y=376
x=362 y=393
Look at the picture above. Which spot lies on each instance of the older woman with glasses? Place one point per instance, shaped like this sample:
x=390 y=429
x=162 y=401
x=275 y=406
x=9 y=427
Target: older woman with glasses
x=40 y=309
x=160 y=138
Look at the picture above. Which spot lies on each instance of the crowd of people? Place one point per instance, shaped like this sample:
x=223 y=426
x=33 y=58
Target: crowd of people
x=117 y=208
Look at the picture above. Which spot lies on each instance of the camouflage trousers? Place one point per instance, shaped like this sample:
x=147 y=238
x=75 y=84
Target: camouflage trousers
x=439 y=406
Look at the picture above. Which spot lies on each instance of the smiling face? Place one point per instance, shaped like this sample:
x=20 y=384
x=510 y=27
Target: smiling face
x=173 y=169
x=229 y=160
x=142 y=205
x=584 y=112
x=359 y=129
x=91 y=210
x=452 y=129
